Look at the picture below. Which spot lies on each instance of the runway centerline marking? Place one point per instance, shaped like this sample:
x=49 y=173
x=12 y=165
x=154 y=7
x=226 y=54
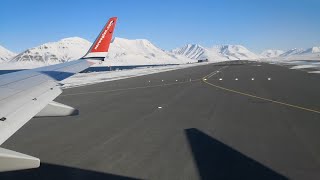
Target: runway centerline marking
x=261 y=98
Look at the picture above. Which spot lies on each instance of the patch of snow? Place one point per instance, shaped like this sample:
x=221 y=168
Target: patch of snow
x=315 y=72
x=304 y=66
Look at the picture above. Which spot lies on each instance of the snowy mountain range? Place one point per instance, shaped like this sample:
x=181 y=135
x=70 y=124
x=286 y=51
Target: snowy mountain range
x=5 y=54
x=296 y=52
x=215 y=53
x=270 y=53
x=312 y=53
x=292 y=52
x=142 y=52
x=122 y=52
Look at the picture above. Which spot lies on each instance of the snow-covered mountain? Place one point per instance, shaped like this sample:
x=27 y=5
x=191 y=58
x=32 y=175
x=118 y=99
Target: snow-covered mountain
x=140 y=52
x=271 y=53
x=237 y=52
x=5 y=54
x=54 y=52
x=193 y=51
x=216 y=53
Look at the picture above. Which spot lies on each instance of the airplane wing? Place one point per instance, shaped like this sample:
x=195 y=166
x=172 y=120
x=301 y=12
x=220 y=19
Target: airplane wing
x=29 y=93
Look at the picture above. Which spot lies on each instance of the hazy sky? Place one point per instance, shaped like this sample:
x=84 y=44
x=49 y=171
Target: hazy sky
x=258 y=25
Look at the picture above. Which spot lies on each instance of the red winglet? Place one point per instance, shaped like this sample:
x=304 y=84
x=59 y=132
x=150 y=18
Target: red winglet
x=102 y=43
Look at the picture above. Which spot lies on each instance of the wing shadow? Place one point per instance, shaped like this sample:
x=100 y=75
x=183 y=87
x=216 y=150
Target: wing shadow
x=56 y=172
x=216 y=160
x=57 y=75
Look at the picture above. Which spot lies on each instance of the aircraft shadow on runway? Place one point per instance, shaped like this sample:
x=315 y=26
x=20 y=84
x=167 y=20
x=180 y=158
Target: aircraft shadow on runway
x=216 y=160
x=57 y=172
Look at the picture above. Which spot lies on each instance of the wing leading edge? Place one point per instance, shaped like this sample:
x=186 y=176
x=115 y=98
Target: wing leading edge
x=30 y=93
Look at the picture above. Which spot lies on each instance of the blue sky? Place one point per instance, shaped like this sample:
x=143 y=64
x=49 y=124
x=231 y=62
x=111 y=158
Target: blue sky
x=258 y=25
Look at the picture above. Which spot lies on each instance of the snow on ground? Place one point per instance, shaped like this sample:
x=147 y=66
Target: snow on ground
x=305 y=66
x=307 y=62
x=83 y=79
x=315 y=72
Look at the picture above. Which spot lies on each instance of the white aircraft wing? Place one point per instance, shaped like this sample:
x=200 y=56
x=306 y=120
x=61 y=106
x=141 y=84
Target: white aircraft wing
x=29 y=93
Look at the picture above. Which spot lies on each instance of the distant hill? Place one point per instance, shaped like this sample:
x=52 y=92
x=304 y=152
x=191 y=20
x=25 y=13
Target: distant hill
x=54 y=52
x=5 y=54
x=271 y=53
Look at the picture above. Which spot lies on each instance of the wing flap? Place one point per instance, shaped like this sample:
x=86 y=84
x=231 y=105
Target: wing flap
x=11 y=160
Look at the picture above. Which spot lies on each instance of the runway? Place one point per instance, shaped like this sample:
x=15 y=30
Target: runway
x=232 y=120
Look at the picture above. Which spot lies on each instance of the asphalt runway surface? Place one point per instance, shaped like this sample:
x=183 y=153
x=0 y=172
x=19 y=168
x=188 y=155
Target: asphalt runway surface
x=234 y=120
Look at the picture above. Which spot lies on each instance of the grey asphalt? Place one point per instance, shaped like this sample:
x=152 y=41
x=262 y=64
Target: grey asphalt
x=182 y=127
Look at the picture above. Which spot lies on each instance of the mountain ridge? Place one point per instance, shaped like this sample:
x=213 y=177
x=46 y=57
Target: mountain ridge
x=215 y=53
x=5 y=54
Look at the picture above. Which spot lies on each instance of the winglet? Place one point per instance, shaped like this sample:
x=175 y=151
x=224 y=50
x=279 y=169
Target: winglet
x=101 y=45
